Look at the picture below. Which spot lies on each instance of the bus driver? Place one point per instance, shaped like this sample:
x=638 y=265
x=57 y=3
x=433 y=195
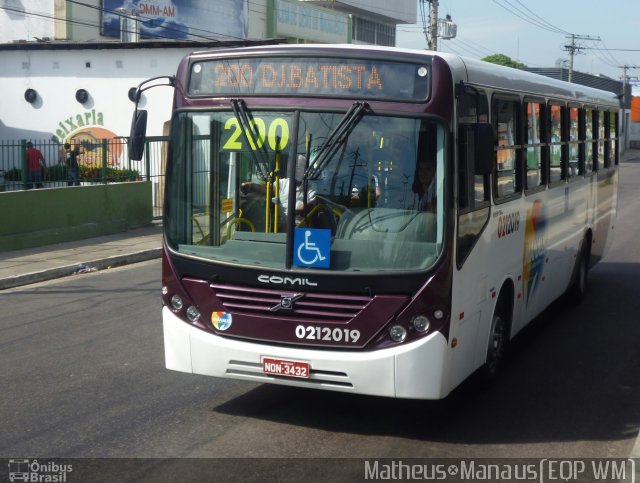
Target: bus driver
x=424 y=187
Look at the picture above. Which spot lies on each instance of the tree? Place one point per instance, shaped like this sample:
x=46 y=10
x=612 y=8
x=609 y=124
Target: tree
x=502 y=59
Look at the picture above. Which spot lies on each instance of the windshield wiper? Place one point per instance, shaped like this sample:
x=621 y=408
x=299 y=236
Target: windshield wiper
x=336 y=138
x=251 y=135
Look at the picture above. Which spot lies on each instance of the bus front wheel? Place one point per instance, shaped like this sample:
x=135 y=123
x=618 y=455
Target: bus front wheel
x=498 y=343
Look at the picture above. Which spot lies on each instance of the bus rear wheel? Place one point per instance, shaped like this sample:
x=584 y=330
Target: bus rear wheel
x=578 y=289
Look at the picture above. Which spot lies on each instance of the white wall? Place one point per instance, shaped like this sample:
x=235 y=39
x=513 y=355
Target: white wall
x=106 y=74
x=17 y=25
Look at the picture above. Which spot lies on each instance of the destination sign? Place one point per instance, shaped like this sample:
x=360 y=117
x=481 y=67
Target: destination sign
x=325 y=77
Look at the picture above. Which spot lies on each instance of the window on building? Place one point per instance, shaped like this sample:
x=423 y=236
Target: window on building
x=375 y=33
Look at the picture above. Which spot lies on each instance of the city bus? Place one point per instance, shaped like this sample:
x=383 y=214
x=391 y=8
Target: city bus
x=373 y=220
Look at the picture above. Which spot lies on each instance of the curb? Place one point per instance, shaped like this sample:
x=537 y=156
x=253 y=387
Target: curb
x=100 y=264
x=635 y=451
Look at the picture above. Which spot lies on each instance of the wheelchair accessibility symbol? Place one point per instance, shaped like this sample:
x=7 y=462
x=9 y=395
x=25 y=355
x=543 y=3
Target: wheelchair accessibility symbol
x=312 y=247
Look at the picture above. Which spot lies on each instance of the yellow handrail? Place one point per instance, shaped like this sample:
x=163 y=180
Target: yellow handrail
x=239 y=221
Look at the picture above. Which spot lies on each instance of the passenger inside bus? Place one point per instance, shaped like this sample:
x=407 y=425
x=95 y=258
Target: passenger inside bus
x=424 y=187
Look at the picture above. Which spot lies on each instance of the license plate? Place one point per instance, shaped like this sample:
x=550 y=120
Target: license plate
x=280 y=367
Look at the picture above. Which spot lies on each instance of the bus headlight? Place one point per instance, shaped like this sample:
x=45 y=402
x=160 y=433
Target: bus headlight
x=420 y=323
x=192 y=313
x=397 y=333
x=176 y=302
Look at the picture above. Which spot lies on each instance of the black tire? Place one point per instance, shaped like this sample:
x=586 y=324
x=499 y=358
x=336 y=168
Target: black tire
x=578 y=288
x=498 y=344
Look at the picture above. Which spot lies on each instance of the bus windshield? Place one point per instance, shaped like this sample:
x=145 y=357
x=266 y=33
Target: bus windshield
x=376 y=188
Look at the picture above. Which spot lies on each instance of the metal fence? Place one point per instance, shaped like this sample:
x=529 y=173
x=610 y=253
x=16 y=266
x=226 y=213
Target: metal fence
x=100 y=161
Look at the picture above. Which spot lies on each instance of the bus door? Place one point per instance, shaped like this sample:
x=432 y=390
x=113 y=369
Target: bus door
x=470 y=303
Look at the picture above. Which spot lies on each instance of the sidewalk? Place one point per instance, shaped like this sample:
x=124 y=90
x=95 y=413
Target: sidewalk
x=31 y=265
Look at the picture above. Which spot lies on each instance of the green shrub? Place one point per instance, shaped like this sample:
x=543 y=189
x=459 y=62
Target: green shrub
x=59 y=172
x=92 y=173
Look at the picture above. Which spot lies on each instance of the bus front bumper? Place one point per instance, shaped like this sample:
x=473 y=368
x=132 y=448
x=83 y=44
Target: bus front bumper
x=413 y=371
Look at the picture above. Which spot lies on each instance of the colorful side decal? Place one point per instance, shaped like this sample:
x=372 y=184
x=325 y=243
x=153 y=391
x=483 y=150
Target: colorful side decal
x=534 y=249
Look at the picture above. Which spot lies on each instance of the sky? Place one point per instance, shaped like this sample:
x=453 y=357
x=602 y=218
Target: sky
x=535 y=32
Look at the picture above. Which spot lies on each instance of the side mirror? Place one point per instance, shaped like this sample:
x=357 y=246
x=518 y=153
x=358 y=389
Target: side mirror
x=484 y=148
x=137 y=135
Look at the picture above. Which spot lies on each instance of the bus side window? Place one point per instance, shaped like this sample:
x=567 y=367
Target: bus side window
x=576 y=165
x=612 y=138
x=506 y=120
x=589 y=165
x=474 y=191
x=534 y=117
x=601 y=161
x=557 y=137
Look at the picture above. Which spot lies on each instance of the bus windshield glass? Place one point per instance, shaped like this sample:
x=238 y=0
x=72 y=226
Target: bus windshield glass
x=375 y=188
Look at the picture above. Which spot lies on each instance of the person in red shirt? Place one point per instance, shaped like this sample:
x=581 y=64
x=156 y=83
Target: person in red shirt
x=35 y=164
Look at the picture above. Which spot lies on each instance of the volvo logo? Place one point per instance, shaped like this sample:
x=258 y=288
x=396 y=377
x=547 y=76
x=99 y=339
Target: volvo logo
x=286 y=280
x=287 y=302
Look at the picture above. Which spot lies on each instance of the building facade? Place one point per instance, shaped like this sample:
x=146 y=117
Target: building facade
x=51 y=49
x=68 y=67
x=344 y=21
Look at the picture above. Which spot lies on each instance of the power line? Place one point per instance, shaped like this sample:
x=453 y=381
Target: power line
x=604 y=56
x=607 y=53
x=614 y=50
x=573 y=48
x=514 y=10
x=471 y=47
x=541 y=19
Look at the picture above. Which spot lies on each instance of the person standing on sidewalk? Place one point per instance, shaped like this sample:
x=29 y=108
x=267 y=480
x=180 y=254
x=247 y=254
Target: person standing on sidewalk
x=35 y=165
x=71 y=160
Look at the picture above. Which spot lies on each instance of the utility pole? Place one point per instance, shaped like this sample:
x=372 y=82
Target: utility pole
x=625 y=81
x=433 y=40
x=625 y=68
x=434 y=27
x=574 y=49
